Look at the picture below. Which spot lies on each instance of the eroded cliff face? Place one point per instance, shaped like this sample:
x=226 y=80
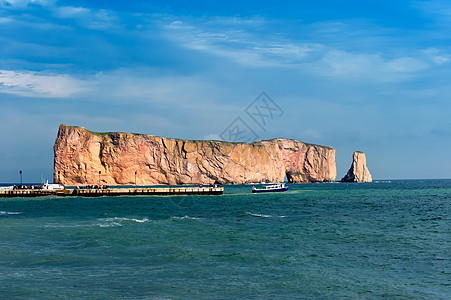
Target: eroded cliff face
x=359 y=171
x=81 y=154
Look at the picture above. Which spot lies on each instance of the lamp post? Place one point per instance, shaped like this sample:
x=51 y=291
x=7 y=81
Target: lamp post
x=20 y=172
x=99 y=177
x=59 y=180
x=135 y=179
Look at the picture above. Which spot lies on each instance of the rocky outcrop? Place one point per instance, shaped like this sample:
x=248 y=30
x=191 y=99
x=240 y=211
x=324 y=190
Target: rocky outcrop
x=85 y=157
x=359 y=171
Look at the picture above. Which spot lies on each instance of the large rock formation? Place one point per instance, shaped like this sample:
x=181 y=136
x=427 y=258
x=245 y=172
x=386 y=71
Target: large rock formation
x=359 y=171
x=121 y=157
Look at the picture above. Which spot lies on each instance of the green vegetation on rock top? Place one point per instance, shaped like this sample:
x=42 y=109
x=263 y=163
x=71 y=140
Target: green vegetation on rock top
x=100 y=133
x=197 y=141
x=308 y=144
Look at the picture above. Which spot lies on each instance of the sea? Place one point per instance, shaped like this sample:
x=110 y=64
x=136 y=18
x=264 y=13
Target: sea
x=380 y=240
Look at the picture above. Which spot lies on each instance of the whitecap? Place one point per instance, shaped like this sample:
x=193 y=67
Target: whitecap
x=145 y=220
x=258 y=215
x=119 y=221
x=263 y=216
x=185 y=218
x=6 y=213
x=112 y=224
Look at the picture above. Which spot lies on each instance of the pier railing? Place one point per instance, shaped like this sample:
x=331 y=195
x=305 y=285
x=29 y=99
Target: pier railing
x=169 y=191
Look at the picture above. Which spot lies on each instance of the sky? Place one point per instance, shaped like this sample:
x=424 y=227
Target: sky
x=354 y=75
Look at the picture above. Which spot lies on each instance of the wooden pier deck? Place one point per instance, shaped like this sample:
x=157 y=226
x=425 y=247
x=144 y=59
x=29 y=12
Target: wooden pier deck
x=169 y=191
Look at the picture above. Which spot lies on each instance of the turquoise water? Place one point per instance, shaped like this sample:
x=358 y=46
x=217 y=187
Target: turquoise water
x=324 y=241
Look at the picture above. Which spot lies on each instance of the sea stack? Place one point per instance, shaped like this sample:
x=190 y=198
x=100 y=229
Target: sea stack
x=86 y=157
x=359 y=171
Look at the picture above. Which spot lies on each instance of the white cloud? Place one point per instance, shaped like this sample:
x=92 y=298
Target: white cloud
x=343 y=63
x=238 y=21
x=93 y=19
x=35 y=84
x=238 y=45
x=403 y=65
x=436 y=56
x=25 y=3
x=89 y=18
x=71 y=12
x=248 y=49
x=366 y=66
x=440 y=9
x=286 y=50
x=5 y=20
x=321 y=55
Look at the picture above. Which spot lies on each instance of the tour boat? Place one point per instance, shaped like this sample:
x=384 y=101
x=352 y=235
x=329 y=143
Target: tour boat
x=278 y=187
x=7 y=187
x=52 y=186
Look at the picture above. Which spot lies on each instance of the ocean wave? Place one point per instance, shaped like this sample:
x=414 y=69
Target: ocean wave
x=112 y=224
x=185 y=218
x=119 y=221
x=7 y=213
x=263 y=216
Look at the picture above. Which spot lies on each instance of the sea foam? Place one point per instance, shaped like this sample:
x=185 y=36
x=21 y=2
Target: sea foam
x=185 y=218
x=263 y=216
x=119 y=221
x=7 y=213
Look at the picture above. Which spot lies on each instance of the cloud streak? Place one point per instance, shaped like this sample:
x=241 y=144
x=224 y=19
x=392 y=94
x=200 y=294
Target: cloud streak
x=341 y=64
x=238 y=46
x=36 y=84
x=21 y=4
x=101 y=19
x=311 y=57
x=439 y=9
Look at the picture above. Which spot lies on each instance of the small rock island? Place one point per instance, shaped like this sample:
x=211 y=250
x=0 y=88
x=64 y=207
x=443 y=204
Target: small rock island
x=359 y=171
x=85 y=157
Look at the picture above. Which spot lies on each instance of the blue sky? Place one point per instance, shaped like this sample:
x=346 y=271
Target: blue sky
x=353 y=75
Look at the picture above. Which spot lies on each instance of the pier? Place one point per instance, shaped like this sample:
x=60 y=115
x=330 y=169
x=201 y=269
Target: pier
x=160 y=191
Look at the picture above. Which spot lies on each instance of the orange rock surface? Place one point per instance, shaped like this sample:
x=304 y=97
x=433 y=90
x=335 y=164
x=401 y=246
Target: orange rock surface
x=81 y=154
x=359 y=171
